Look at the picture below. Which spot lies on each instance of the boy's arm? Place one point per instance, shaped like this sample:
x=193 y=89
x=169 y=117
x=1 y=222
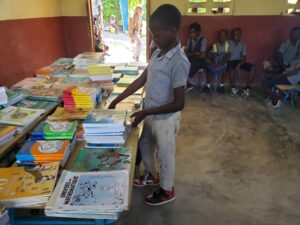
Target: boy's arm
x=132 y=88
x=176 y=105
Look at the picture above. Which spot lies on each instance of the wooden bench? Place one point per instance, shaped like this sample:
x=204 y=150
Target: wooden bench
x=289 y=91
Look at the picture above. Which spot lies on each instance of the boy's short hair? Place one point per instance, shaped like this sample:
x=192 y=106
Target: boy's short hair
x=195 y=26
x=295 y=29
x=167 y=15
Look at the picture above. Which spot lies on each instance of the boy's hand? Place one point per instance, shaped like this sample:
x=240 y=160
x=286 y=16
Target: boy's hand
x=138 y=117
x=112 y=105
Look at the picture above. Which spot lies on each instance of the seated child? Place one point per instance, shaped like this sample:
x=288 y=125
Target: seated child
x=196 y=49
x=290 y=76
x=238 y=61
x=219 y=55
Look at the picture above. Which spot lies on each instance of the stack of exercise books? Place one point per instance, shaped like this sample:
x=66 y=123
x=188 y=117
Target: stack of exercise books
x=128 y=70
x=27 y=187
x=105 y=128
x=84 y=59
x=19 y=116
x=63 y=114
x=81 y=98
x=36 y=104
x=98 y=195
x=7 y=133
x=50 y=94
x=50 y=130
x=35 y=152
x=4 y=218
x=99 y=72
x=13 y=96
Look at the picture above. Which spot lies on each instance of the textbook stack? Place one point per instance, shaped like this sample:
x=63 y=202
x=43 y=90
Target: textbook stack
x=130 y=103
x=127 y=70
x=97 y=195
x=49 y=94
x=35 y=152
x=36 y=104
x=7 y=133
x=13 y=96
x=84 y=59
x=81 y=98
x=49 y=130
x=125 y=81
x=27 y=187
x=99 y=72
x=64 y=67
x=19 y=116
x=29 y=83
x=62 y=114
x=105 y=128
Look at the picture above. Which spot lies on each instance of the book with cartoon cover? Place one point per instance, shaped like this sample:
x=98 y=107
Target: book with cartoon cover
x=90 y=191
x=43 y=150
x=55 y=130
x=102 y=160
x=21 y=186
x=105 y=118
x=36 y=104
x=19 y=116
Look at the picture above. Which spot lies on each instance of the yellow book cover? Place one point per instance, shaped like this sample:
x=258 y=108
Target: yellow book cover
x=99 y=69
x=22 y=182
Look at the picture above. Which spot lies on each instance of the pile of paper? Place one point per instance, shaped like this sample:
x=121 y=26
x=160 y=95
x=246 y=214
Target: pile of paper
x=84 y=59
x=98 y=195
x=49 y=130
x=43 y=151
x=19 y=116
x=21 y=186
x=105 y=128
x=7 y=133
x=81 y=98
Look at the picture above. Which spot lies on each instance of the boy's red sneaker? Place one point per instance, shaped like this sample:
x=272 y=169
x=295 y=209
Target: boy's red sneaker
x=146 y=180
x=160 y=197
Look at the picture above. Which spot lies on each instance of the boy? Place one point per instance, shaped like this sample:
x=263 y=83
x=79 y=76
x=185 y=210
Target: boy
x=219 y=55
x=165 y=79
x=238 y=61
x=196 y=49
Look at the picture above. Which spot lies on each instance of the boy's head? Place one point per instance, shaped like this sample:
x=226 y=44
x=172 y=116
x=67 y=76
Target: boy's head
x=295 y=34
x=236 y=34
x=223 y=34
x=138 y=9
x=194 y=30
x=164 y=25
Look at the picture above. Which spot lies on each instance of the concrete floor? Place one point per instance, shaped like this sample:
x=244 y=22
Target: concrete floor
x=236 y=164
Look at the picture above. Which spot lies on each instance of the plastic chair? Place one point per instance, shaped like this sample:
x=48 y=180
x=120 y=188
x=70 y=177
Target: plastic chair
x=216 y=72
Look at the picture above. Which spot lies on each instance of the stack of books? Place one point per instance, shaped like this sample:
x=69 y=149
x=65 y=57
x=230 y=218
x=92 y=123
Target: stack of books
x=97 y=195
x=29 y=83
x=81 y=98
x=99 y=72
x=118 y=90
x=128 y=70
x=76 y=80
x=50 y=130
x=140 y=65
x=19 y=116
x=62 y=114
x=27 y=187
x=84 y=59
x=116 y=77
x=105 y=128
x=131 y=103
x=36 y=104
x=13 y=96
x=35 y=152
x=125 y=81
x=50 y=94
x=7 y=133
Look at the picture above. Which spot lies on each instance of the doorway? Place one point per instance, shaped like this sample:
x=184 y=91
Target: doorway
x=119 y=27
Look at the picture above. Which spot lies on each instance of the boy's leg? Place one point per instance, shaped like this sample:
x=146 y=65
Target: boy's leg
x=250 y=77
x=165 y=133
x=147 y=148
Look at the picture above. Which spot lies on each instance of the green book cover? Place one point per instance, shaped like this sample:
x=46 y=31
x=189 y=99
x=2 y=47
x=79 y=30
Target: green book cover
x=102 y=160
x=53 y=130
x=36 y=104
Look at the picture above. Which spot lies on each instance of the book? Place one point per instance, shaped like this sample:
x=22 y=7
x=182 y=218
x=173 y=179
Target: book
x=102 y=160
x=55 y=130
x=29 y=82
x=125 y=81
x=118 y=90
x=23 y=186
x=91 y=191
x=49 y=94
x=7 y=132
x=19 y=116
x=129 y=70
x=105 y=118
x=36 y=104
x=68 y=114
